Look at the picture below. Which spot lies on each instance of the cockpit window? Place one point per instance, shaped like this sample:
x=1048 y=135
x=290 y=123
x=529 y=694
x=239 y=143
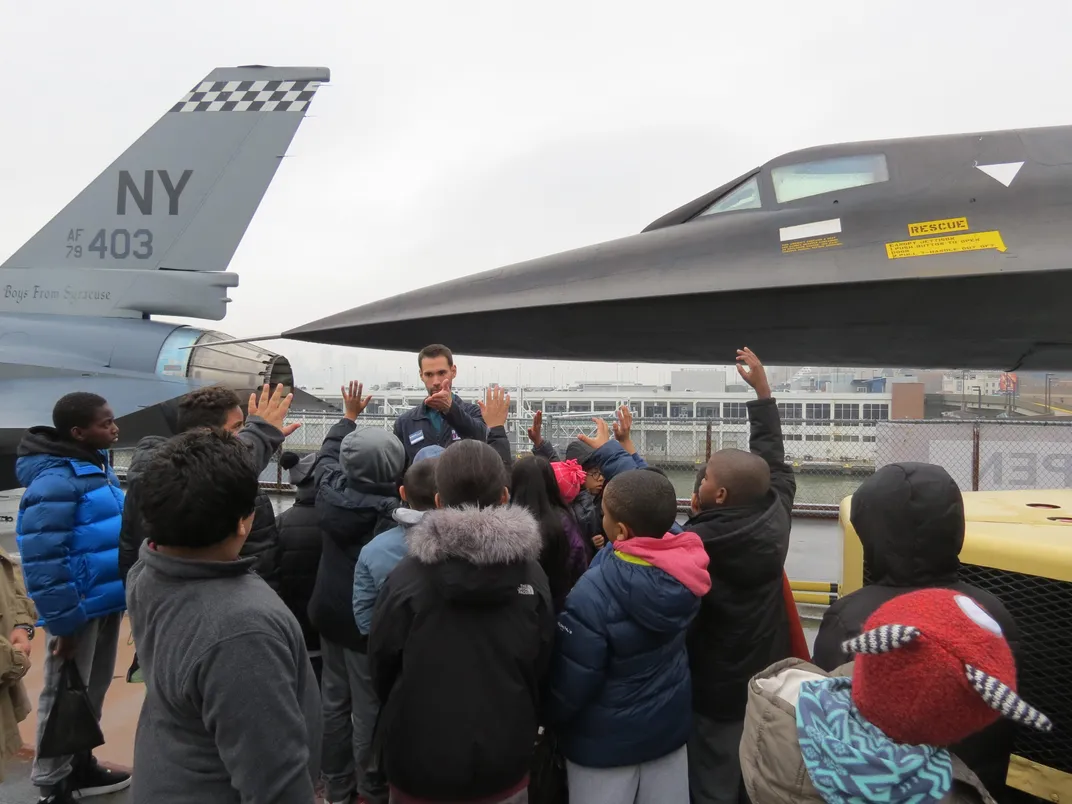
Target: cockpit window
x=744 y=196
x=827 y=175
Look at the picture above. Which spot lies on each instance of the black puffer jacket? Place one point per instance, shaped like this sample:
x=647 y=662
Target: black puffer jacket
x=300 y=546
x=263 y=440
x=460 y=643
x=354 y=502
x=742 y=627
x=910 y=520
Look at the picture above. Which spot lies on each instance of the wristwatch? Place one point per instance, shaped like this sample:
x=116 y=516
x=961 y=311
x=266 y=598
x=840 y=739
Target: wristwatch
x=29 y=629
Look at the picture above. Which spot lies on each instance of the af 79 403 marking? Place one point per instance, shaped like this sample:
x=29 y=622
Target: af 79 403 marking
x=119 y=244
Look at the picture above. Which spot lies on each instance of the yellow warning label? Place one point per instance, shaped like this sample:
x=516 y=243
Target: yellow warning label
x=978 y=241
x=948 y=226
x=810 y=245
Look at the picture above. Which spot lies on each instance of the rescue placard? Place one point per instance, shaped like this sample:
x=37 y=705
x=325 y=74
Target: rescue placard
x=947 y=226
x=977 y=241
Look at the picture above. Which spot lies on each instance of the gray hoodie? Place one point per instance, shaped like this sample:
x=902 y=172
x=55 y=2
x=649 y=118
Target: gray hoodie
x=232 y=710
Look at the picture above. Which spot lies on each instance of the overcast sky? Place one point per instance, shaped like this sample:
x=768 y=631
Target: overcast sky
x=458 y=137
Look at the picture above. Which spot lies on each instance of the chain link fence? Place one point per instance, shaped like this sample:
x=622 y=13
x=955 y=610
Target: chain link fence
x=831 y=458
x=986 y=455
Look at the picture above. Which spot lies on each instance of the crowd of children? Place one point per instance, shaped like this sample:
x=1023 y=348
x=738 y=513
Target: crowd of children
x=437 y=610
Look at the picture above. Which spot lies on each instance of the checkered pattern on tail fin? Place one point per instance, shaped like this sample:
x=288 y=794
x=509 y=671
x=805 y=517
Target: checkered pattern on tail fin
x=1001 y=698
x=248 y=96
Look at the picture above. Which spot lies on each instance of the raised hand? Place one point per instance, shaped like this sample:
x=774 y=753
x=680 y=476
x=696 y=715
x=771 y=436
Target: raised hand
x=623 y=427
x=352 y=401
x=624 y=424
x=601 y=437
x=495 y=407
x=273 y=408
x=442 y=399
x=536 y=431
x=752 y=372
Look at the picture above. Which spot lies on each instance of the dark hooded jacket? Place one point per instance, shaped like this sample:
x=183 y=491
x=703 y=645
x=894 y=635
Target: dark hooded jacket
x=468 y=616
x=910 y=520
x=356 y=478
x=263 y=543
x=300 y=546
x=742 y=626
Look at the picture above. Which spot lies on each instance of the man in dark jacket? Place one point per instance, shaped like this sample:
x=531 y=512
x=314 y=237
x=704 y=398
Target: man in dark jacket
x=263 y=432
x=300 y=546
x=910 y=520
x=356 y=475
x=468 y=613
x=745 y=503
x=443 y=417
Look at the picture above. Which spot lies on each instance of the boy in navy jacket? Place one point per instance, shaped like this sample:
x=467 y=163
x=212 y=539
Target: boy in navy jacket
x=620 y=692
x=68 y=535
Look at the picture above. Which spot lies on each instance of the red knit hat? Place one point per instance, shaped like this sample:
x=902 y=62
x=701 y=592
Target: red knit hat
x=570 y=477
x=933 y=668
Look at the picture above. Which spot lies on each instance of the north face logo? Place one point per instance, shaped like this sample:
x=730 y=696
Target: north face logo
x=525 y=589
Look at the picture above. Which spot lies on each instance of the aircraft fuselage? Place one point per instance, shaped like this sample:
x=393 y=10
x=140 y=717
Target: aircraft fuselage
x=948 y=251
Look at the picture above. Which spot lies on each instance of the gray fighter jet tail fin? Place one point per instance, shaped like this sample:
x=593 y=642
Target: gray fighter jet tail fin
x=180 y=198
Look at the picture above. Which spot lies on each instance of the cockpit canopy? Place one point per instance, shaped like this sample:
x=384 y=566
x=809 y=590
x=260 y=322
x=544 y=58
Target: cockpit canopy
x=779 y=184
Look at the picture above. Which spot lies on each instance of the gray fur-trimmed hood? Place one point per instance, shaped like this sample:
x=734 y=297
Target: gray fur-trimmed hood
x=480 y=536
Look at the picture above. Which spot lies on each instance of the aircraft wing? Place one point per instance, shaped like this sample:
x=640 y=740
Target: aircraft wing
x=28 y=401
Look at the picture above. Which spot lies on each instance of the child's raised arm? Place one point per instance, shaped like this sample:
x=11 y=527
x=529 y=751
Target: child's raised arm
x=765 y=438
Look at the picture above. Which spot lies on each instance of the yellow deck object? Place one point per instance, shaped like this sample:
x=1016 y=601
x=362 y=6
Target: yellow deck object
x=814 y=598
x=814 y=586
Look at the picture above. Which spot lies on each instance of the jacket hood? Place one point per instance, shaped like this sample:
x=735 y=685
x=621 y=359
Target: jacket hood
x=143 y=453
x=407 y=517
x=681 y=555
x=651 y=595
x=482 y=536
x=41 y=444
x=910 y=520
x=46 y=441
x=372 y=458
x=338 y=507
x=479 y=555
x=747 y=544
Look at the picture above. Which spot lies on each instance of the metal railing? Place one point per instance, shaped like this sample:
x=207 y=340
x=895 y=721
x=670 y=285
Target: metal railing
x=831 y=458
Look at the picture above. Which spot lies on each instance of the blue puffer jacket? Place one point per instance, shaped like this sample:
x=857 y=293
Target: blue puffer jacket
x=68 y=531
x=620 y=691
x=612 y=460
